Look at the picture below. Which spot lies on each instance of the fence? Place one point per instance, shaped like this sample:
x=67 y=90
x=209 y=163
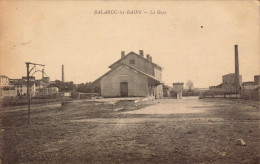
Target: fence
x=16 y=101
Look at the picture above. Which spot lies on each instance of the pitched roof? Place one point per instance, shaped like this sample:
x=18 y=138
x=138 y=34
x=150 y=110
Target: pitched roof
x=21 y=82
x=167 y=86
x=136 y=55
x=130 y=67
x=142 y=72
x=3 y=76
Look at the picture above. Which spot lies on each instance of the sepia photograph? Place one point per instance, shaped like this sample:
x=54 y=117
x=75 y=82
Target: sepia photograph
x=113 y=81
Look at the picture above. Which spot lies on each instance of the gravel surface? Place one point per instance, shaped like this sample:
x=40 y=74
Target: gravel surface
x=190 y=130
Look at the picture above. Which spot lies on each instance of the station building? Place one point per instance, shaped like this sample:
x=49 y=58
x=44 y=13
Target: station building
x=132 y=75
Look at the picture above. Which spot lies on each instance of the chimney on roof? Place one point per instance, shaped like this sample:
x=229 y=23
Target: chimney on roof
x=141 y=52
x=148 y=57
x=122 y=54
x=237 y=83
x=151 y=59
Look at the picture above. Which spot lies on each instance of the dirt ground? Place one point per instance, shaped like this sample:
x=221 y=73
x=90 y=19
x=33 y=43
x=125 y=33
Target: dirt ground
x=190 y=130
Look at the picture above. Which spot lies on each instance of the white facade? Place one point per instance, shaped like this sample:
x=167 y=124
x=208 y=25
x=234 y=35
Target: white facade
x=53 y=90
x=21 y=88
x=4 y=81
x=9 y=93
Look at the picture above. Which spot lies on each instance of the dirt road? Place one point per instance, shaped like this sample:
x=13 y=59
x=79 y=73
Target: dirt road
x=163 y=131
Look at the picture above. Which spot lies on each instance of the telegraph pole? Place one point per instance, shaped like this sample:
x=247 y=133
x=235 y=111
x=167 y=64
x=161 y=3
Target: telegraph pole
x=28 y=91
x=28 y=86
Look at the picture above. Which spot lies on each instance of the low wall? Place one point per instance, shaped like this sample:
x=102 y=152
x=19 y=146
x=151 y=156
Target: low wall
x=17 y=102
x=253 y=94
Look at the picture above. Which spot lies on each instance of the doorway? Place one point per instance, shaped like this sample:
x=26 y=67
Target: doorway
x=124 y=89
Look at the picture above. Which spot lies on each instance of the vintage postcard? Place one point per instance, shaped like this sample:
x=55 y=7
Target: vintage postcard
x=129 y=81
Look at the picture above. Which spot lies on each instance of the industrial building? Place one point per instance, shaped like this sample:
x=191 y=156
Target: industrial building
x=227 y=85
x=232 y=82
x=251 y=89
x=132 y=75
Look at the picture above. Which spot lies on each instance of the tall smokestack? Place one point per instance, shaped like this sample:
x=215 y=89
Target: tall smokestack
x=62 y=73
x=43 y=73
x=237 y=84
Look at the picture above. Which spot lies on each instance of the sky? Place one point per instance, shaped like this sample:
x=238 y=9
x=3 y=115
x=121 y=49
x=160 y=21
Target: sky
x=194 y=40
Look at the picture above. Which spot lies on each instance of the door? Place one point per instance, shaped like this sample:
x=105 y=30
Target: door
x=124 y=89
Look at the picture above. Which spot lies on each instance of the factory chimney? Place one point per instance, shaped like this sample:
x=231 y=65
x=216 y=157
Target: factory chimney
x=42 y=73
x=237 y=83
x=62 y=72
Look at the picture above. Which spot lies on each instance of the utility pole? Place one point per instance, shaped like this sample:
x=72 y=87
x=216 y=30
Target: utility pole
x=28 y=86
x=237 y=79
x=28 y=91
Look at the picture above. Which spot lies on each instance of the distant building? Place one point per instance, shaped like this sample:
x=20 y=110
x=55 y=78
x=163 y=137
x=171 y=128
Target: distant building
x=21 y=87
x=251 y=89
x=257 y=79
x=4 y=81
x=231 y=83
x=166 y=90
x=37 y=87
x=53 y=90
x=41 y=85
x=8 y=91
x=132 y=75
x=31 y=78
x=18 y=87
x=177 y=89
x=47 y=91
x=228 y=84
x=46 y=79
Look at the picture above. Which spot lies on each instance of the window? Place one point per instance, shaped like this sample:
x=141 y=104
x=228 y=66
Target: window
x=132 y=62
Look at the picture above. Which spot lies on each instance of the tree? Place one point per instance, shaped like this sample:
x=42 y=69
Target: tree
x=189 y=85
x=86 y=88
x=64 y=86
